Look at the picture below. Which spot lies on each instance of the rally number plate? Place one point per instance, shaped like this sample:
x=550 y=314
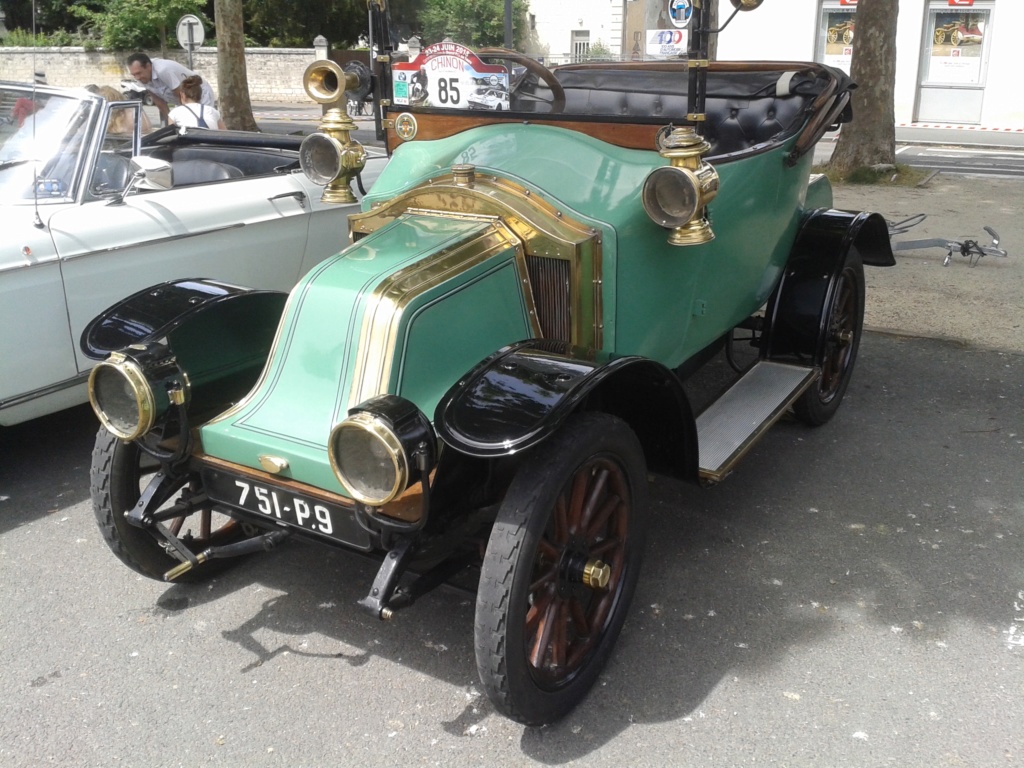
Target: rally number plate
x=281 y=505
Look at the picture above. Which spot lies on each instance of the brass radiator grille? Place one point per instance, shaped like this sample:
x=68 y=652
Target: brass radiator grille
x=552 y=295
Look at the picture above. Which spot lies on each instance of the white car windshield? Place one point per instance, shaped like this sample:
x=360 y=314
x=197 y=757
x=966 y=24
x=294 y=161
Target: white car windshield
x=41 y=138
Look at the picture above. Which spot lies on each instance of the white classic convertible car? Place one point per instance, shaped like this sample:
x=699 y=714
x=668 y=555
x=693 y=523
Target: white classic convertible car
x=86 y=221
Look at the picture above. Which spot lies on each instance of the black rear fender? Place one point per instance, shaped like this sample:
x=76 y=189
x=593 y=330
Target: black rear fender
x=795 y=309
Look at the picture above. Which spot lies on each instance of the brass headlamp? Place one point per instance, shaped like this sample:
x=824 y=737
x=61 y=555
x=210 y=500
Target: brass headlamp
x=331 y=156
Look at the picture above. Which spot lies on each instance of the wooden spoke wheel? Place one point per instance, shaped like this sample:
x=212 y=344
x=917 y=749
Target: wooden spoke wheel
x=560 y=569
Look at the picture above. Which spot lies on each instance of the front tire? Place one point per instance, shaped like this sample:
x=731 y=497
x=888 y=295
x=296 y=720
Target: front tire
x=545 y=625
x=120 y=471
x=843 y=326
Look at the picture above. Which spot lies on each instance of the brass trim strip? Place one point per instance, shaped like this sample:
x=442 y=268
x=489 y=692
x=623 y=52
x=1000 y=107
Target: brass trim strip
x=378 y=336
x=543 y=229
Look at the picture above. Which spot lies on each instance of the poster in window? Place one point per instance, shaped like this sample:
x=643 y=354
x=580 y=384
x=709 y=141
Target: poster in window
x=957 y=42
x=838 y=28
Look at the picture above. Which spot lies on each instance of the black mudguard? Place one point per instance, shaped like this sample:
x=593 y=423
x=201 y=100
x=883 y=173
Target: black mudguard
x=518 y=397
x=194 y=312
x=218 y=335
x=795 y=310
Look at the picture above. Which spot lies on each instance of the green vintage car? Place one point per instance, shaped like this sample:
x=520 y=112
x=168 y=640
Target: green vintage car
x=479 y=385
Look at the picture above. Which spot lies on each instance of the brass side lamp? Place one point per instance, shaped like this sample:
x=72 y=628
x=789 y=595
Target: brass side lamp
x=676 y=196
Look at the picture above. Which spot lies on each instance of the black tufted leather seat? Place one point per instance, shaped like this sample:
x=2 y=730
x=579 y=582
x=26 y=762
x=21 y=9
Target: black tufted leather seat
x=743 y=109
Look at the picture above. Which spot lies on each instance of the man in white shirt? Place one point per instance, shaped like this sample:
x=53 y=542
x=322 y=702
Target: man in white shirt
x=162 y=77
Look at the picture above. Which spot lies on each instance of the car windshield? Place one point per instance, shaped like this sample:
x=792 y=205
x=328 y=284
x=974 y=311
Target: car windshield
x=41 y=137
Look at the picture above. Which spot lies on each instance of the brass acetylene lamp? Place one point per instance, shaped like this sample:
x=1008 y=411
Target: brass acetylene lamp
x=676 y=196
x=331 y=156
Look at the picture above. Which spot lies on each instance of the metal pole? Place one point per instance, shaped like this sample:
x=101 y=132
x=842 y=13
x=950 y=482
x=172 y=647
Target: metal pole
x=191 y=41
x=508 y=24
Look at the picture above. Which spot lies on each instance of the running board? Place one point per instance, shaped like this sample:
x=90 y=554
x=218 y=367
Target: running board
x=734 y=422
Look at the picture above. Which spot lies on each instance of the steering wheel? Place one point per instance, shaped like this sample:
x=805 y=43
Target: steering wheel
x=535 y=68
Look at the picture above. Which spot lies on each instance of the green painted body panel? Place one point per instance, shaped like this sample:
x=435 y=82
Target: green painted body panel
x=450 y=329
x=660 y=301
x=307 y=384
x=819 y=192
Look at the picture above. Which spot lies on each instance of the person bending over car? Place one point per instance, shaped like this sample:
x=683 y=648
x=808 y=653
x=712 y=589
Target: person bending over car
x=163 y=79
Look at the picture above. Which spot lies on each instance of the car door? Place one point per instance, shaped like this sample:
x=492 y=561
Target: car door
x=36 y=351
x=249 y=232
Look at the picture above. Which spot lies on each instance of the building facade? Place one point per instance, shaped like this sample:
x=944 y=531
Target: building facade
x=957 y=66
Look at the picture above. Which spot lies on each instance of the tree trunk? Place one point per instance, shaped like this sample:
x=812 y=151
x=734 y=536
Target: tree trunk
x=871 y=138
x=232 y=82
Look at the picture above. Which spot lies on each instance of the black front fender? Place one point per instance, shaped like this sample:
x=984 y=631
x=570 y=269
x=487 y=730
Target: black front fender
x=518 y=397
x=193 y=311
x=217 y=335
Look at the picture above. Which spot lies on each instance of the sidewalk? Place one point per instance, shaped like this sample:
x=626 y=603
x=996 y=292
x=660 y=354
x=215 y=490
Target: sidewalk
x=981 y=305
x=965 y=135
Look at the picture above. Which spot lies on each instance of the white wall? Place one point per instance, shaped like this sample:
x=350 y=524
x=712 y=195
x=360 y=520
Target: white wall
x=556 y=20
x=768 y=34
x=786 y=29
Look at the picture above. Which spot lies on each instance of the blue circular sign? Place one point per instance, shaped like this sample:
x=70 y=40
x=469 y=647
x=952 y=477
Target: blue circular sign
x=679 y=11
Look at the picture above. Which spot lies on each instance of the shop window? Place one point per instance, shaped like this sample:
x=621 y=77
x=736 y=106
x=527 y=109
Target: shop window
x=836 y=32
x=954 y=55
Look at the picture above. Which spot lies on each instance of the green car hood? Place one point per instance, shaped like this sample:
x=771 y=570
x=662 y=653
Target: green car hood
x=388 y=314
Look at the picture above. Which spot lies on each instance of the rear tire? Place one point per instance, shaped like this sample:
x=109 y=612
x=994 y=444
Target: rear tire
x=120 y=471
x=544 y=630
x=843 y=325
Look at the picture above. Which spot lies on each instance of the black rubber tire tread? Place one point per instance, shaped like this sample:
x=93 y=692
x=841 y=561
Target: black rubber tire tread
x=114 y=489
x=508 y=562
x=811 y=408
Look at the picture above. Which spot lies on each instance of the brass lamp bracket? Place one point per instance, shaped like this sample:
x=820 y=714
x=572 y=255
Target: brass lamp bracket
x=683 y=148
x=325 y=82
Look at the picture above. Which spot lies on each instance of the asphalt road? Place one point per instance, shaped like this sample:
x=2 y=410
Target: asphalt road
x=965 y=160
x=852 y=596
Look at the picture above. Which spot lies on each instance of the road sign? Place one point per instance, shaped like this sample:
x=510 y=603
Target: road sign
x=190 y=34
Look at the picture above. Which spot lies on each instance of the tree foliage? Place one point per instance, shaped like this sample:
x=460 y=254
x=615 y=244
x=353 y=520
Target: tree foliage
x=871 y=138
x=51 y=15
x=476 y=23
x=137 y=24
x=290 y=24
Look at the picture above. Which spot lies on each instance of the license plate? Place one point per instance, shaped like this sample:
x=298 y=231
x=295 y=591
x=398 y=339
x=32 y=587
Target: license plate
x=281 y=505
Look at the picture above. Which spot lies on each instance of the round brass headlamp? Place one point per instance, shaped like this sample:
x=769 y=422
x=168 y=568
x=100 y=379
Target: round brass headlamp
x=368 y=458
x=122 y=397
x=671 y=196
